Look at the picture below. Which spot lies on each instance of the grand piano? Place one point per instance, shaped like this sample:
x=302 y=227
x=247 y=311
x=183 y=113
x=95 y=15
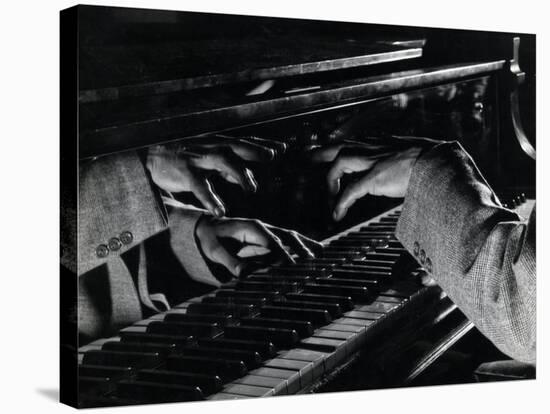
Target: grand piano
x=353 y=318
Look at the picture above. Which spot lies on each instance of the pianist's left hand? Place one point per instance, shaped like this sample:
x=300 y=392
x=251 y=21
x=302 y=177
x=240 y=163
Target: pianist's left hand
x=238 y=243
x=187 y=165
x=384 y=167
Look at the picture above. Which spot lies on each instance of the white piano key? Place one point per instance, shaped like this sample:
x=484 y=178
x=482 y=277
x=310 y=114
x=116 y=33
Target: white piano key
x=362 y=315
x=334 y=358
x=353 y=321
x=225 y=396
x=344 y=328
x=278 y=385
x=315 y=357
x=248 y=390
x=305 y=368
x=292 y=378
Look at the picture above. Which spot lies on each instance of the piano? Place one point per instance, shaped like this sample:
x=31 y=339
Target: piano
x=356 y=316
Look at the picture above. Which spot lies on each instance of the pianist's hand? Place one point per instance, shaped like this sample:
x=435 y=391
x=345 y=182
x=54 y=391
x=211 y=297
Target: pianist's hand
x=383 y=167
x=186 y=166
x=241 y=244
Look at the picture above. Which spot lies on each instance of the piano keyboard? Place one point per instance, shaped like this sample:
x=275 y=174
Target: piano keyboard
x=276 y=332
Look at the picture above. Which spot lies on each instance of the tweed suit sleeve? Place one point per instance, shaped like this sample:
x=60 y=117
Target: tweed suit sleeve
x=183 y=222
x=481 y=254
x=115 y=196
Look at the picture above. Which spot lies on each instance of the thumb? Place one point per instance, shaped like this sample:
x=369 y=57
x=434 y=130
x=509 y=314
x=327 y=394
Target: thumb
x=219 y=254
x=352 y=193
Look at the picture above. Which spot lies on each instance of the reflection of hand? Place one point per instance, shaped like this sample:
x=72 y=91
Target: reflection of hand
x=385 y=167
x=256 y=240
x=176 y=168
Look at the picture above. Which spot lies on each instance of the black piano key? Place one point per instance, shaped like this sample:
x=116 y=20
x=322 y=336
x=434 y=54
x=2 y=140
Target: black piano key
x=226 y=369
x=333 y=308
x=361 y=273
x=304 y=328
x=394 y=250
x=222 y=320
x=201 y=329
x=299 y=270
x=343 y=253
x=377 y=227
x=320 y=262
x=209 y=384
x=350 y=243
x=345 y=302
x=369 y=265
x=316 y=316
x=143 y=391
x=95 y=385
x=160 y=348
x=265 y=294
x=390 y=218
x=282 y=338
x=178 y=340
x=246 y=300
x=370 y=284
x=273 y=285
x=122 y=359
x=394 y=244
x=250 y=358
x=370 y=261
x=360 y=294
x=387 y=236
x=390 y=257
x=236 y=310
x=299 y=280
x=104 y=371
x=265 y=348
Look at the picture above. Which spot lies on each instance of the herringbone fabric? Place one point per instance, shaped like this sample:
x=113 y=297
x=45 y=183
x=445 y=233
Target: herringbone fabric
x=482 y=255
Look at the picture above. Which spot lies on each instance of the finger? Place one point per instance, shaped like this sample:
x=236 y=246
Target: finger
x=219 y=254
x=203 y=190
x=229 y=166
x=293 y=241
x=325 y=154
x=346 y=164
x=252 y=232
x=310 y=244
x=251 y=151
x=248 y=151
x=313 y=245
x=352 y=193
x=278 y=146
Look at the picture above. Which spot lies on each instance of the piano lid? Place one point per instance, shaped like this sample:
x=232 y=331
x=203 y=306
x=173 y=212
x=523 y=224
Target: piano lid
x=136 y=52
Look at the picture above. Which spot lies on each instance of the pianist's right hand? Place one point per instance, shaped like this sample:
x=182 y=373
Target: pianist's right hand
x=383 y=167
x=187 y=165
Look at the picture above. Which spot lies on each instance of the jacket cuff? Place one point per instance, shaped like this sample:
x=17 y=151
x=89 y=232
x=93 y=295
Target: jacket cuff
x=446 y=191
x=118 y=209
x=183 y=223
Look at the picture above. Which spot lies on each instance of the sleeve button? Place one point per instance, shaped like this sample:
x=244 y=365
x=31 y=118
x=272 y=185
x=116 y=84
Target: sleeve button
x=126 y=237
x=416 y=248
x=422 y=256
x=102 y=251
x=115 y=244
x=428 y=265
